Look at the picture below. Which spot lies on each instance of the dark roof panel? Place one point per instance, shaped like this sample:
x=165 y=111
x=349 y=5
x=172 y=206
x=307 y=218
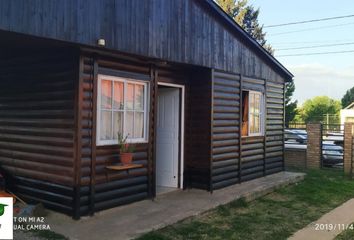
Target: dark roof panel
x=194 y=32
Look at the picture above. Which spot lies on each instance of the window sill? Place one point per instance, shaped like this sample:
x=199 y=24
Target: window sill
x=245 y=138
x=104 y=144
x=124 y=167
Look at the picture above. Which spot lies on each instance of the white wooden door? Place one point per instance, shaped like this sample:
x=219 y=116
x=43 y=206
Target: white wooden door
x=167 y=138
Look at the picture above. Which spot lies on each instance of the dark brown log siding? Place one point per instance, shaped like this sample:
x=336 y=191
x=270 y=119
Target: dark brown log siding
x=275 y=127
x=259 y=155
x=225 y=129
x=102 y=188
x=111 y=188
x=198 y=130
x=252 y=161
x=40 y=129
x=85 y=134
x=253 y=158
x=197 y=82
x=37 y=125
x=264 y=155
x=117 y=188
x=48 y=104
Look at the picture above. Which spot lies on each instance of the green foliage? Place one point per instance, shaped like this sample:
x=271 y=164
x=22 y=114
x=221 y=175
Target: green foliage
x=47 y=234
x=317 y=109
x=290 y=107
x=348 y=97
x=235 y=9
x=124 y=146
x=2 y=209
x=298 y=116
x=348 y=234
x=290 y=113
x=247 y=17
x=289 y=91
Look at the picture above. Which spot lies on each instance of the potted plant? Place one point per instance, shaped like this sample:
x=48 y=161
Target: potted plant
x=125 y=150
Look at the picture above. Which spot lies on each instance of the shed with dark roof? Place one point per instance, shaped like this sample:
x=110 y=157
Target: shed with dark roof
x=199 y=99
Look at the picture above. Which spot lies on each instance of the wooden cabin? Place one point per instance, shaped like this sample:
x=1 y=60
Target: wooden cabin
x=202 y=102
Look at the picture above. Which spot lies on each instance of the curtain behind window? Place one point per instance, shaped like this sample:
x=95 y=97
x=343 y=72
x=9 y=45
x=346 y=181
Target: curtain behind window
x=244 y=129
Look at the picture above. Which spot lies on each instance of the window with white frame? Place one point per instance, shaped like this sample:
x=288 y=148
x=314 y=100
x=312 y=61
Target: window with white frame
x=122 y=108
x=252 y=113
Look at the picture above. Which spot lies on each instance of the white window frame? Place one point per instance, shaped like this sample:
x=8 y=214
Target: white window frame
x=261 y=114
x=125 y=81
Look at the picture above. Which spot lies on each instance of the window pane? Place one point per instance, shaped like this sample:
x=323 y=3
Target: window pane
x=118 y=96
x=252 y=103
x=106 y=94
x=257 y=103
x=129 y=124
x=130 y=96
x=139 y=97
x=257 y=127
x=106 y=125
x=117 y=124
x=251 y=122
x=139 y=125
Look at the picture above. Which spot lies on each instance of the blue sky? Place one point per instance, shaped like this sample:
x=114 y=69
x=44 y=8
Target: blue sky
x=315 y=75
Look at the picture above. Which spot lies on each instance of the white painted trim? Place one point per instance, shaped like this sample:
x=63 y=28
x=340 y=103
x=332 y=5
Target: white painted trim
x=182 y=87
x=124 y=80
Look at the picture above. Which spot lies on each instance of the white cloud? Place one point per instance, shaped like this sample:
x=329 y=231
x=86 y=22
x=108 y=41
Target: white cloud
x=317 y=79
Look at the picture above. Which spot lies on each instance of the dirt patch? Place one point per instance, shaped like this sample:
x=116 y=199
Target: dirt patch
x=277 y=197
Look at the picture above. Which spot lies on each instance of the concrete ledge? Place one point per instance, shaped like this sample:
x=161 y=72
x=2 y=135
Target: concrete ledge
x=132 y=220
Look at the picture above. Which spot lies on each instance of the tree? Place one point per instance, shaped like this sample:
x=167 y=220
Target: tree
x=290 y=107
x=348 y=97
x=247 y=17
x=235 y=9
x=319 y=108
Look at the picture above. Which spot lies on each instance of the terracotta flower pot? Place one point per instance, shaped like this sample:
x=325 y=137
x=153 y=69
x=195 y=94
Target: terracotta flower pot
x=126 y=158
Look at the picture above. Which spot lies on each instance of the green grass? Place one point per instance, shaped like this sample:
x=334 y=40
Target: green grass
x=274 y=216
x=47 y=234
x=346 y=235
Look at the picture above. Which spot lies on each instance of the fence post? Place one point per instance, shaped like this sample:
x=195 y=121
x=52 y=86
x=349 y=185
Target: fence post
x=348 y=148
x=314 y=141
